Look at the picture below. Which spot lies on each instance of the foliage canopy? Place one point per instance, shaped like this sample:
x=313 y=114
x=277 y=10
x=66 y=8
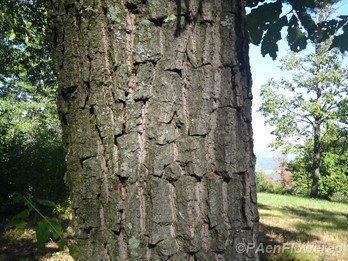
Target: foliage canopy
x=267 y=18
x=334 y=174
x=292 y=105
x=31 y=152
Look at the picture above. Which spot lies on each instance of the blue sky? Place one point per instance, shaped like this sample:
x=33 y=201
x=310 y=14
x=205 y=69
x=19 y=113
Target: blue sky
x=264 y=68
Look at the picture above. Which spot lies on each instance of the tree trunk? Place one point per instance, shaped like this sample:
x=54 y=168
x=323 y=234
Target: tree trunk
x=316 y=160
x=155 y=104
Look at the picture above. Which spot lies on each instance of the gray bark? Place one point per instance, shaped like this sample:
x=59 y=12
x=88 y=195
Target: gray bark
x=155 y=104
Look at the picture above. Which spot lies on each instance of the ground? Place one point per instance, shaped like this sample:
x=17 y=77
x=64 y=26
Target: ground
x=302 y=229
x=20 y=245
x=292 y=229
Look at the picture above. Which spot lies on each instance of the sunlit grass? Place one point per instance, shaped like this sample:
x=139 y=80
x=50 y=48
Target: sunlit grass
x=307 y=229
x=16 y=234
x=23 y=244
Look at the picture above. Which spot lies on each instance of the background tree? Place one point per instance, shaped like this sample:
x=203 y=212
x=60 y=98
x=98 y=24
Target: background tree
x=24 y=54
x=310 y=99
x=31 y=152
x=333 y=165
x=32 y=159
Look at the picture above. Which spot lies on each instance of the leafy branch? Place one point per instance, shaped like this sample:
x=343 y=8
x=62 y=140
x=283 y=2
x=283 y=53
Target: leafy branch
x=266 y=20
x=49 y=226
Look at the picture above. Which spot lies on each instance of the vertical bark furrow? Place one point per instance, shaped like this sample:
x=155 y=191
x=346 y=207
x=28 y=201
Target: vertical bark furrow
x=184 y=97
x=155 y=105
x=122 y=235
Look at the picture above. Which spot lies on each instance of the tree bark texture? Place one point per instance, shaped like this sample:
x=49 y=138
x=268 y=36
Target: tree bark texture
x=155 y=103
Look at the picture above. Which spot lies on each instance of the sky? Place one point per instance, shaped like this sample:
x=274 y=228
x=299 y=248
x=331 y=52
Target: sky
x=262 y=69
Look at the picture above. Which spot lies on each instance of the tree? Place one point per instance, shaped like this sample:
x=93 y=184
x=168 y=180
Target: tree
x=333 y=165
x=154 y=100
x=24 y=54
x=313 y=97
x=32 y=157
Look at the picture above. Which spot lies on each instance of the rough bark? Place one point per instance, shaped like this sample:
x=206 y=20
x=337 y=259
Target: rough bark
x=155 y=104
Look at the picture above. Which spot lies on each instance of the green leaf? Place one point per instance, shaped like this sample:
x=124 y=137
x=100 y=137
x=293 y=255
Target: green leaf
x=273 y=35
x=21 y=225
x=28 y=201
x=341 y=41
x=260 y=18
x=270 y=12
x=297 y=40
x=307 y=22
x=17 y=197
x=298 y=4
x=42 y=234
x=72 y=250
x=254 y=29
x=26 y=39
x=18 y=220
x=55 y=227
x=46 y=203
x=326 y=29
x=62 y=243
x=12 y=36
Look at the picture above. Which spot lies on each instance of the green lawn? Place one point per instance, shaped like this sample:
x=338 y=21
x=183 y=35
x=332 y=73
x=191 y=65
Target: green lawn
x=297 y=228
x=292 y=228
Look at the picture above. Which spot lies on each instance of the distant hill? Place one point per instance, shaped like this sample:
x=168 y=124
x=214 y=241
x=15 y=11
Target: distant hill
x=264 y=160
x=265 y=163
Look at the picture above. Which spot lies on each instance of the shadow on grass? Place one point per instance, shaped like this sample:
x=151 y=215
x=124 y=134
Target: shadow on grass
x=24 y=249
x=20 y=244
x=287 y=235
x=277 y=239
x=284 y=234
x=301 y=232
x=21 y=249
x=264 y=207
x=318 y=218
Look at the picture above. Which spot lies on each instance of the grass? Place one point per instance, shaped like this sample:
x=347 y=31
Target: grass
x=303 y=229
x=291 y=229
x=20 y=244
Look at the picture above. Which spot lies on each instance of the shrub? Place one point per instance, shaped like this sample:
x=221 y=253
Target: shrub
x=263 y=184
x=339 y=197
x=34 y=165
x=333 y=171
